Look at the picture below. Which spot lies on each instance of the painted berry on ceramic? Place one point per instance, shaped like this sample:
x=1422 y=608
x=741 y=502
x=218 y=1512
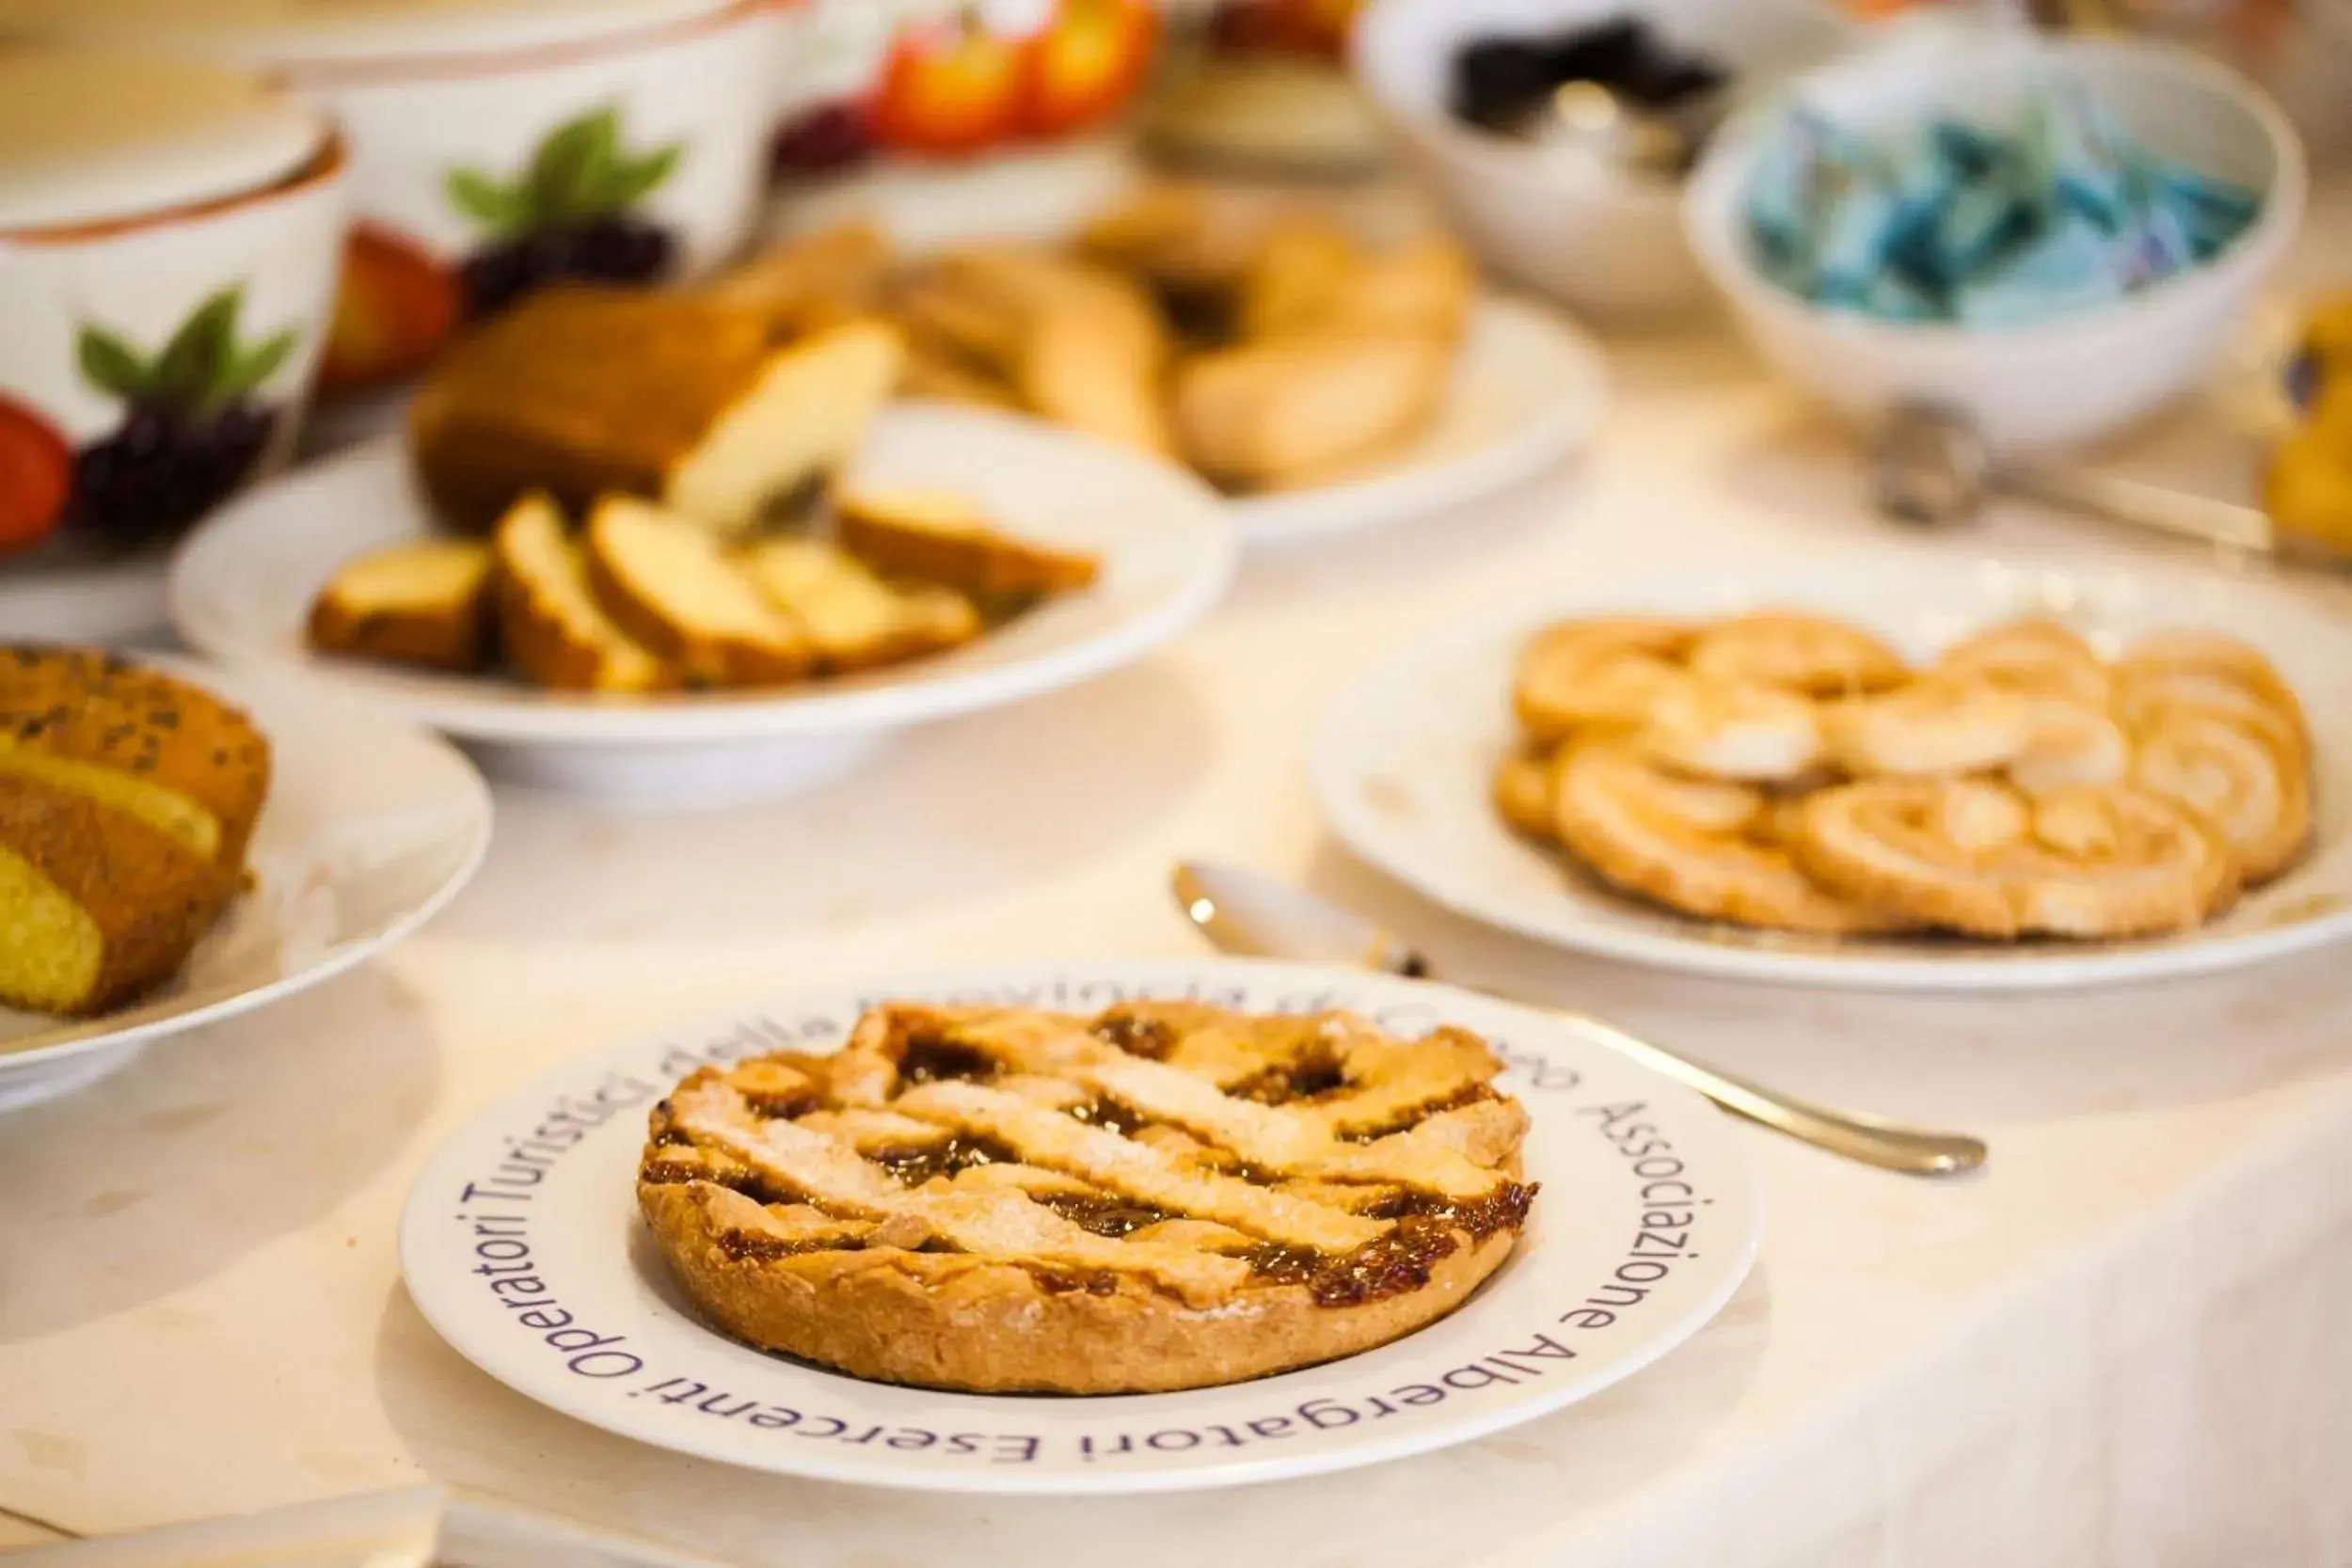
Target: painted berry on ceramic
x=568 y=215
x=192 y=428
x=36 y=476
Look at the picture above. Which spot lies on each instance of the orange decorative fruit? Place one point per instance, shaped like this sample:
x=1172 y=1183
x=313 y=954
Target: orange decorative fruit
x=1084 y=67
x=36 y=476
x=949 y=89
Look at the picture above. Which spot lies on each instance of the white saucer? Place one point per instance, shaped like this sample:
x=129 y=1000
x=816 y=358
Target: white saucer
x=1647 y=1222
x=372 y=825
x=242 y=587
x=1403 y=763
x=1529 y=391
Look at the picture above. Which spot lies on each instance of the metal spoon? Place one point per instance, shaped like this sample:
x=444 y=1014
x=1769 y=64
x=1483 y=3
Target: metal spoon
x=1258 y=916
x=1930 y=466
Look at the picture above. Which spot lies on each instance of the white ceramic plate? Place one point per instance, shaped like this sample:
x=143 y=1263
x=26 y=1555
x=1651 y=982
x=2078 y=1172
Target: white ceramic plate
x=1402 y=759
x=242 y=587
x=1584 y=1302
x=372 y=825
x=108 y=604
x=1529 y=391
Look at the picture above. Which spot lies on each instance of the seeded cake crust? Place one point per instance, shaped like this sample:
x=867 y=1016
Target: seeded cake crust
x=1010 y=1201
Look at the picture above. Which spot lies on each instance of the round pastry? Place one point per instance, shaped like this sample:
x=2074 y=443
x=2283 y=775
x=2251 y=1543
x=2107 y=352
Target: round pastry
x=2035 y=656
x=1166 y=1196
x=1812 y=654
x=1608 y=672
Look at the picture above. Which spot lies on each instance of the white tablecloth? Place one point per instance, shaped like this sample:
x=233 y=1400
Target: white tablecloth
x=2124 y=1344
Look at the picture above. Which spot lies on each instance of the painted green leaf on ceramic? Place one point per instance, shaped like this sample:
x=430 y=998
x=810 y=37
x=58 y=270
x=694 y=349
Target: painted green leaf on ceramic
x=579 y=170
x=111 y=365
x=254 y=367
x=194 y=362
x=487 y=203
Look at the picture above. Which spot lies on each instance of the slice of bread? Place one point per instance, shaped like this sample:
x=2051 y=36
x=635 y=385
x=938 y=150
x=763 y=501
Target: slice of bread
x=136 y=740
x=852 y=619
x=99 y=907
x=555 y=632
x=582 y=391
x=428 y=603
x=936 y=536
x=1291 y=408
x=673 y=587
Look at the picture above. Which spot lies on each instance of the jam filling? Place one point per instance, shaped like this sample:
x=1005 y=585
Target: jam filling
x=744 y=1246
x=1316 y=1073
x=1428 y=1230
x=932 y=1058
x=1148 y=1038
x=1105 y=1216
x=951 y=1157
x=1469 y=1096
x=1062 y=1282
x=669 y=1173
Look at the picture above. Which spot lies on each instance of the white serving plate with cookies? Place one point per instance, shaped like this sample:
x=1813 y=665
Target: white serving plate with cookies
x=1530 y=388
x=1647 y=1222
x=371 y=826
x=1404 y=762
x=242 y=589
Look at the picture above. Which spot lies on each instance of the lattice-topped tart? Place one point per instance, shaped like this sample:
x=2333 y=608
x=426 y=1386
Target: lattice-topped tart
x=1166 y=1195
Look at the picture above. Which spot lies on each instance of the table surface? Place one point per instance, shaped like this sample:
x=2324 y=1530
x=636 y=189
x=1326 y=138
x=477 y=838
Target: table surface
x=201 y=1310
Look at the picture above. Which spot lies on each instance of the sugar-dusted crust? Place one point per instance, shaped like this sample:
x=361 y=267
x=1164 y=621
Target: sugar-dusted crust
x=1164 y=1196
x=949 y=1322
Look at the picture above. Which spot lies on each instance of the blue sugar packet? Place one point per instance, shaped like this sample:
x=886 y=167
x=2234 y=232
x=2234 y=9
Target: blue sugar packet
x=2068 y=266
x=2212 y=211
x=1920 y=188
x=1983 y=219
x=1893 y=297
x=1971 y=151
x=1853 y=244
x=2077 y=157
x=2156 y=243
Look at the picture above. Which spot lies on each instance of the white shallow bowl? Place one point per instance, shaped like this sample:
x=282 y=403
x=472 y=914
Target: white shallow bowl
x=1403 y=757
x=242 y=588
x=2042 y=385
x=1648 y=1205
x=371 y=827
x=1595 y=240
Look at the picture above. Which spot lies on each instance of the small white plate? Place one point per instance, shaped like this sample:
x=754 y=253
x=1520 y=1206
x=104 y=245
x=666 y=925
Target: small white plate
x=1647 y=1222
x=1403 y=761
x=371 y=827
x=242 y=587
x=105 y=604
x=1529 y=391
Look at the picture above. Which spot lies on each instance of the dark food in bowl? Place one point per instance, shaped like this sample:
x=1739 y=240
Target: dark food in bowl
x=1508 y=85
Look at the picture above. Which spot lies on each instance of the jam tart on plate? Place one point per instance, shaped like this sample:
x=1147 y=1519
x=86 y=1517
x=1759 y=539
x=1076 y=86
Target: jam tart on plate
x=1166 y=1195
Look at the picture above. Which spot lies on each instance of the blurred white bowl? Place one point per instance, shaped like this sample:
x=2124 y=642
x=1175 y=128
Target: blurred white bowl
x=2046 y=384
x=1602 y=242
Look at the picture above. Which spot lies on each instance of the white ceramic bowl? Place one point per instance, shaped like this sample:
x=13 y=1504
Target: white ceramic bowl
x=1596 y=241
x=168 y=267
x=2048 y=383
x=447 y=109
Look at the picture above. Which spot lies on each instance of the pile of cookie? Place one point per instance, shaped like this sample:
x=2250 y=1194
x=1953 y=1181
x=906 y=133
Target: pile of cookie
x=1786 y=770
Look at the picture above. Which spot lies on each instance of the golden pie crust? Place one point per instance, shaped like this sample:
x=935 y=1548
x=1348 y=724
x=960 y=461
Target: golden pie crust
x=1164 y=1195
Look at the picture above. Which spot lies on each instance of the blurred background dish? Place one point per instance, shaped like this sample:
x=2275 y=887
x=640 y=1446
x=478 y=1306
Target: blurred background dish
x=943 y=121
x=2078 y=375
x=1598 y=237
x=172 y=231
x=495 y=145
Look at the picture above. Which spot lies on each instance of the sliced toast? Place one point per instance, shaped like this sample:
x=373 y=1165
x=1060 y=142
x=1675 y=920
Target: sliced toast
x=555 y=632
x=936 y=536
x=430 y=603
x=1297 y=408
x=851 y=618
x=674 y=587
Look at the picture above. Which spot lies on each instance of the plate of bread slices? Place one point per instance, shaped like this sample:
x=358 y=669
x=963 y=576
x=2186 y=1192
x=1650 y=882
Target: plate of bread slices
x=180 y=845
x=1909 y=775
x=1323 y=371
x=676 y=550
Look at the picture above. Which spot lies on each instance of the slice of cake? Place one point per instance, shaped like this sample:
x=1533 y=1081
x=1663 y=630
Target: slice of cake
x=582 y=391
x=937 y=537
x=428 y=603
x=673 y=587
x=1293 y=408
x=99 y=906
x=555 y=632
x=851 y=618
x=135 y=739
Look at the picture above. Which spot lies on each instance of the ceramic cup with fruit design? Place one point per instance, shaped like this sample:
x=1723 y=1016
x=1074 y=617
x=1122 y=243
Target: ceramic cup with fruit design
x=499 y=144
x=170 y=232
x=948 y=120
